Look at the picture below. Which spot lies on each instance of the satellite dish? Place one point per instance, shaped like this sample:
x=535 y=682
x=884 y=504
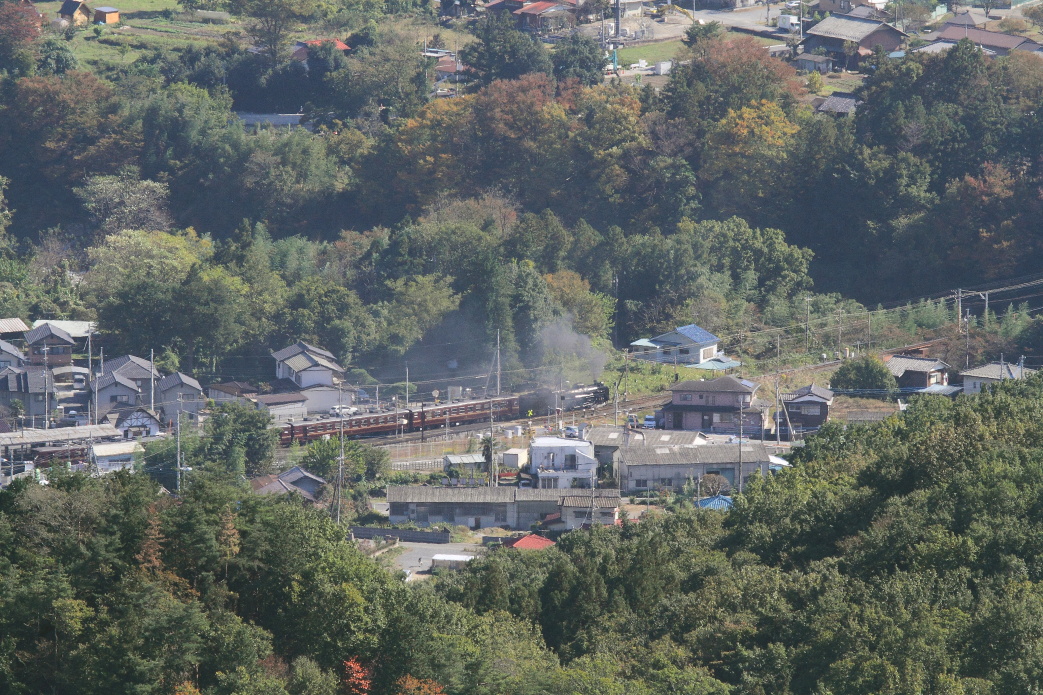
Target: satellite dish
x=434 y=393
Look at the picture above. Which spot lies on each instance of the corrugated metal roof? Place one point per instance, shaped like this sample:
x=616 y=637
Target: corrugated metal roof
x=900 y=364
x=718 y=502
x=587 y=501
x=13 y=326
x=994 y=370
x=687 y=456
x=423 y=494
x=697 y=334
x=77 y=329
x=117 y=448
x=60 y=434
x=723 y=384
x=847 y=28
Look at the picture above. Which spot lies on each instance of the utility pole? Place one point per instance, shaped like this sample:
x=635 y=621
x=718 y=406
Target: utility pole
x=46 y=391
x=493 y=482
x=407 y=385
x=340 y=460
x=152 y=380
x=742 y=402
x=986 y=309
x=626 y=375
x=497 y=361
x=959 y=304
x=967 y=359
x=807 y=325
x=177 y=463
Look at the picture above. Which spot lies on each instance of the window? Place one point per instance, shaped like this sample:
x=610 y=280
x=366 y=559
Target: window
x=811 y=409
x=667 y=482
x=686 y=396
x=708 y=353
x=641 y=482
x=399 y=509
x=501 y=514
x=579 y=514
x=684 y=351
x=701 y=396
x=667 y=351
x=119 y=399
x=570 y=460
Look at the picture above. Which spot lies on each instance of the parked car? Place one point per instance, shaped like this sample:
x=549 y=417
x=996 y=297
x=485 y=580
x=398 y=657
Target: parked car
x=572 y=432
x=649 y=423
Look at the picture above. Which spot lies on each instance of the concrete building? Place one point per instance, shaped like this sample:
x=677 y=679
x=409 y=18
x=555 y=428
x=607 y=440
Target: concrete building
x=655 y=468
x=561 y=464
x=477 y=507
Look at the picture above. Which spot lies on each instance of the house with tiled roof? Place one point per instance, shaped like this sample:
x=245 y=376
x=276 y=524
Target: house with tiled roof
x=306 y=365
x=296 y=480
x=977 y=379
x=687 y=345
x=10 y=356
x=998 y=42
x=179 y=393
x=49 y=345
x=918 y=372
x=715 y=405
x=835 y=34
x=32 y=386
x=529 y=541
x=807 y=408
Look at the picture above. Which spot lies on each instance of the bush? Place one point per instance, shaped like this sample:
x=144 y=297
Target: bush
x=867 y=374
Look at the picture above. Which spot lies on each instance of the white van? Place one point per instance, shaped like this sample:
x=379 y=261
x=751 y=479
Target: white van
x=343 y=410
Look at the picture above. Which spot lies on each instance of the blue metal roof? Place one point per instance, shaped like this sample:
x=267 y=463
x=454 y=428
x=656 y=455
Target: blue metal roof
x=696 y=334
x=719 y=502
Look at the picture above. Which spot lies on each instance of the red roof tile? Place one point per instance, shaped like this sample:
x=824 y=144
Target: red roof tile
x=537 y=7
x=340 y=45
x=529 y=542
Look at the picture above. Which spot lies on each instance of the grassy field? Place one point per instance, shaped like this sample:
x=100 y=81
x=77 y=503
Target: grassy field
x=653 y=52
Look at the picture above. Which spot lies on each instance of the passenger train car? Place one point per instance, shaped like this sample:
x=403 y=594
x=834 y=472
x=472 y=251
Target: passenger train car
x=403 y=420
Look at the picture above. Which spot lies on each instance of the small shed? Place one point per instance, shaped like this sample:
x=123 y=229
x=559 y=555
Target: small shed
x=717 y=502
x=106 y=15
x=810 y=61
x=75 y=12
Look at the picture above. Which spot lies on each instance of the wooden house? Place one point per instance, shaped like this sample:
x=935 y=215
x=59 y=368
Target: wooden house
x=49 y=345
x=714 y=406
x=75 y=12
x=106 y=15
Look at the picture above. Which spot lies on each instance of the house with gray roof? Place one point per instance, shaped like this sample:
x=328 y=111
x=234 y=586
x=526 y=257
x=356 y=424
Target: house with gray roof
x=132 y=421
x=689 y=345
x=608 y=439
x=839 y=104
x=918 y=372
x=306 y=365
x=296 y=480
x=977 y=379
x=807 y=408
x=998 y=42
x=715 y=405
x=33 y=386
x=669 y=468
x=10 y=356
x=49 y=346
x=834 y=34
x=179 y=393
x=137 y=369
x=584 y=511
x=115 y=388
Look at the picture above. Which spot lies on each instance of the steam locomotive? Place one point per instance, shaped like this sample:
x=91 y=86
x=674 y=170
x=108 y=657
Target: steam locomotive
x=546 y=401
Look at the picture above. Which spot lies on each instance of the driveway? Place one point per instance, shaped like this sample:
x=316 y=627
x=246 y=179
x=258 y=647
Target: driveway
x=416 y=557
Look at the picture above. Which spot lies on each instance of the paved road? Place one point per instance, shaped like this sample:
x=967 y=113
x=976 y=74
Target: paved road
x=417 y=556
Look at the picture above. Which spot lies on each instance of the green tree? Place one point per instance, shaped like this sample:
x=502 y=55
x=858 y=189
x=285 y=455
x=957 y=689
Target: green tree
x=56 y=58
x=865 y=374
x=579 y=57
x=501 y=52
x=240 y=435
x=271 y=22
